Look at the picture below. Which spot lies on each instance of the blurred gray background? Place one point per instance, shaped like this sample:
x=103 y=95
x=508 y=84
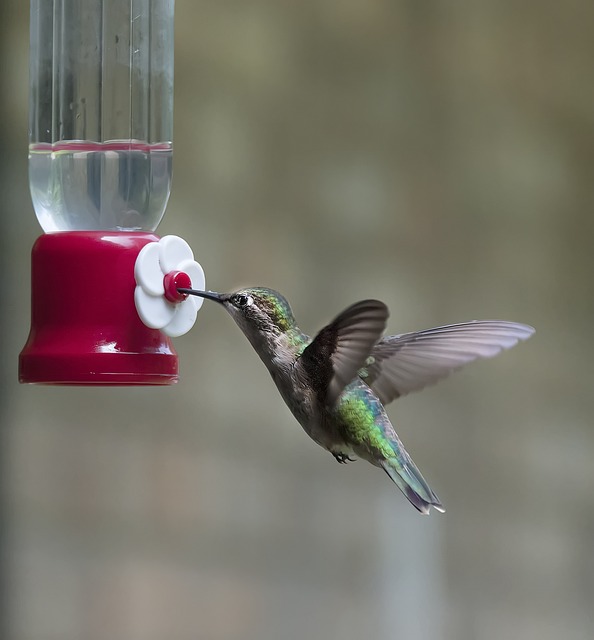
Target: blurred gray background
x=438 y=156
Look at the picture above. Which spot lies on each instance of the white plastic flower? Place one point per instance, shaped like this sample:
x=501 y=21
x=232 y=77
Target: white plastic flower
x=161 y=267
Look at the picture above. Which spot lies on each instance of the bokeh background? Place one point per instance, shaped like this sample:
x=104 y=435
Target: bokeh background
x=438 y=156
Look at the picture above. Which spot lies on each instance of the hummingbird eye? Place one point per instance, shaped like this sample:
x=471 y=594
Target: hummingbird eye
x=242 y=301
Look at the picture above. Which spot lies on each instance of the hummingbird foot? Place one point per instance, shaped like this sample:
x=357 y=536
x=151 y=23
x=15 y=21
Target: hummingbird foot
x=342 y=458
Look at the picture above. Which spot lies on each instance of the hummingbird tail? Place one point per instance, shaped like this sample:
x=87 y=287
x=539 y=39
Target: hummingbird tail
x=409 y=480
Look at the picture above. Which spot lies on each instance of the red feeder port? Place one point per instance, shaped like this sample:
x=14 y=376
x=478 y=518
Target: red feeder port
x=85 y=329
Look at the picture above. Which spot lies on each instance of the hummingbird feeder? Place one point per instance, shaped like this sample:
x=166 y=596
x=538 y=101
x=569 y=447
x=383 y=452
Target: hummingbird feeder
x=104 y=299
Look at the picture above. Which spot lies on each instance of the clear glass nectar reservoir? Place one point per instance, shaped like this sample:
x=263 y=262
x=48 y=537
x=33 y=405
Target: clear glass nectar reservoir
x=101 y=113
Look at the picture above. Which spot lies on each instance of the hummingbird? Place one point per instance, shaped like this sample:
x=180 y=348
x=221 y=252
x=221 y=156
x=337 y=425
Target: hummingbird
x=338 y=383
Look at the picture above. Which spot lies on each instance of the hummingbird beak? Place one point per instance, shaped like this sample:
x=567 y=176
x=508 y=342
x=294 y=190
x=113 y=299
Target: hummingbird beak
x=209 y=295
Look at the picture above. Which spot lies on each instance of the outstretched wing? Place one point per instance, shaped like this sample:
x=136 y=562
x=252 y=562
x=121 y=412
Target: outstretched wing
x=408 y=362
x=341 y=348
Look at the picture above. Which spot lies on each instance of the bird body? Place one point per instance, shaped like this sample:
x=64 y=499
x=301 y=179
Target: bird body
x=338 y=383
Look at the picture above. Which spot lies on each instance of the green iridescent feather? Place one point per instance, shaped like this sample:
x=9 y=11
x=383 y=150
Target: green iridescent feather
x=362 y=417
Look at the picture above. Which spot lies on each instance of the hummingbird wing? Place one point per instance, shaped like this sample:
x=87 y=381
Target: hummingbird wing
x=410 y=361
x=342 y=347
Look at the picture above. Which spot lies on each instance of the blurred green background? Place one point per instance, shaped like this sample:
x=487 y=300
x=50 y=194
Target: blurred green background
x=438 y=156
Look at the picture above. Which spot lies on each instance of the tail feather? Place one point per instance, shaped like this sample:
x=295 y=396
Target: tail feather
x=409 y=480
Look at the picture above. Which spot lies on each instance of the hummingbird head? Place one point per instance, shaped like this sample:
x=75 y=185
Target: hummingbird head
x=263 y=315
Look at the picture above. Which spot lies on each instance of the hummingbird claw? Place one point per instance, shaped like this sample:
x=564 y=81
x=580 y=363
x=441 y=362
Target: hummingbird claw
x=342 y=458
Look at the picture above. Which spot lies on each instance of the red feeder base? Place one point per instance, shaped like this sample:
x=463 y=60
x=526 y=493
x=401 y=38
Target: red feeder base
x=84 y=326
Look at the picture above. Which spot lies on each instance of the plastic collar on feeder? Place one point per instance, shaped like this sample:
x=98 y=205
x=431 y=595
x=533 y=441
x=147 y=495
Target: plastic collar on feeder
x=161 y=268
